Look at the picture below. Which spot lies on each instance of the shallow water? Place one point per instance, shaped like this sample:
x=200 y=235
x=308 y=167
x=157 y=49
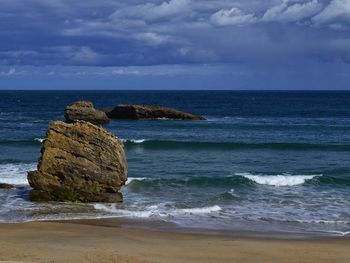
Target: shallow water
x=262 y=161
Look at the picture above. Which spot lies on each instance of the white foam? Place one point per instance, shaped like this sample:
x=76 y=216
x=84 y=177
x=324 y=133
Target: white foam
x=340 y=233
x=130 y=179
x=113 y=209
x=278 y=180
x=137 y=141
x=15 y=174
x=232 y=193
x=202 y=210
x=325 y=222
x=213 y=118
x=164 y=119
x=41 y=140
x=155 y=211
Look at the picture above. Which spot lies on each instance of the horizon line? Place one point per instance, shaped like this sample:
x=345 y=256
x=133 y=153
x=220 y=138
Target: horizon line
x=188 y=90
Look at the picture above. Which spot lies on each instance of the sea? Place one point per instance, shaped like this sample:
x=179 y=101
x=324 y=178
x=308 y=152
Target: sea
x=262 y=161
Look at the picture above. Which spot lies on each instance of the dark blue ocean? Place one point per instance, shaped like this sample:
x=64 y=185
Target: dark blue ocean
x=262 y=161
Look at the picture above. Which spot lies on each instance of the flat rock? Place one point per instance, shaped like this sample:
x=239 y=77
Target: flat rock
x=6 y=186
x=138 y=112
x=80 y=162
x=85 y=111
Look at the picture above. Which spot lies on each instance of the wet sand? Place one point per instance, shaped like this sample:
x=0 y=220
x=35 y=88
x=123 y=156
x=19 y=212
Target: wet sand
x=99 y=241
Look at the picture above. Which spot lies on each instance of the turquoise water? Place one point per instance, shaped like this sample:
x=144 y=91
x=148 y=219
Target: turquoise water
x=262 y=161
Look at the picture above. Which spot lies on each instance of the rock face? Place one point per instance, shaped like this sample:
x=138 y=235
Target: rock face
x=85 y=111
x=137 y=112
x=80 y=162
x=6 y=186
x=106 y=110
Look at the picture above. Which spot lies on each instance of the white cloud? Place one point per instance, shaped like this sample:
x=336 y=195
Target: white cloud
x=275 y=11
x=233 y=16
x=151 y=11
x=337 y=11
x=285 y=11
x=292 y=13
x=77 y=54
x=126 y=71
x=10 y=72
x=86 y=55
x=153 y=38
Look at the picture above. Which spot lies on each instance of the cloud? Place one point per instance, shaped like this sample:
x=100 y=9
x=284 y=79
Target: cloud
x=153 y=38
x=284 y=12
x=151 y=11
x=10 y=72
x=233 y=16
x=127 y=33
x=116 y=72
x=336 y=13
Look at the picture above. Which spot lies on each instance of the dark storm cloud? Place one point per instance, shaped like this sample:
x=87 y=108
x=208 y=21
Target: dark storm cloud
x=136 y=33
x=175 y=44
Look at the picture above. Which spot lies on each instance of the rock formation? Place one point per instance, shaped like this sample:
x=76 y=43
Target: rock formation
x=6 y=186
x=80 y=162
x=85 y=111
x=106 y=110
x=137 y=112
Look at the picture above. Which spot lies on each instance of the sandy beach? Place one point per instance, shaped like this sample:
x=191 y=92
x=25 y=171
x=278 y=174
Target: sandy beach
x=95 y=241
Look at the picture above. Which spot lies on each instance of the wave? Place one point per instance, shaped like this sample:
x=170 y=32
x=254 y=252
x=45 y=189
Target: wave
x=202 y=181
x=278 y=180
x=174 y=144
x=304 y=221
x=325 y=222
x=194 y=145
x=15 y=174
x=25 y=142
x=134 y=141
x=131 y=179
x=239 y=179
x=156 y=211
x=339 y=233
x=202 y=210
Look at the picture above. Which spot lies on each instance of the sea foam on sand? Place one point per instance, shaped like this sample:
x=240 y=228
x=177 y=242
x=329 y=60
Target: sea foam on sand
x=156 y=211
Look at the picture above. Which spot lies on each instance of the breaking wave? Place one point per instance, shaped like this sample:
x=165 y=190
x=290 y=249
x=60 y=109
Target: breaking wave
x=131 y=179
x=239 y=179
x=134 y=141
x=278 y=180
x=156 y=211
x=41 y=140
x=15 y=174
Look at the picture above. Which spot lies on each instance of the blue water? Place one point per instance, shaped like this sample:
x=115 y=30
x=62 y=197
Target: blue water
x=262 y=161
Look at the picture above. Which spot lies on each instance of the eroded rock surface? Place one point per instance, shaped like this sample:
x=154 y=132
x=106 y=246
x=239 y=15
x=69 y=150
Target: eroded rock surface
x=85 y=111
x=80 y=162
x=6 y=186
x=138 y=112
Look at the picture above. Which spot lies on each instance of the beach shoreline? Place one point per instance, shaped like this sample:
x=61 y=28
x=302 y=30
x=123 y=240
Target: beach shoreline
x=105 y=241
x=235 y=231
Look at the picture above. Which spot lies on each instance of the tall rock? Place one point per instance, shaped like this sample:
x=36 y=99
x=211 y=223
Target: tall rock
x=80 y=162
x=85 y=111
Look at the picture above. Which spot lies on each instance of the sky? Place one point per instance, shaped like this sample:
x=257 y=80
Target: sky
x=175 y=44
